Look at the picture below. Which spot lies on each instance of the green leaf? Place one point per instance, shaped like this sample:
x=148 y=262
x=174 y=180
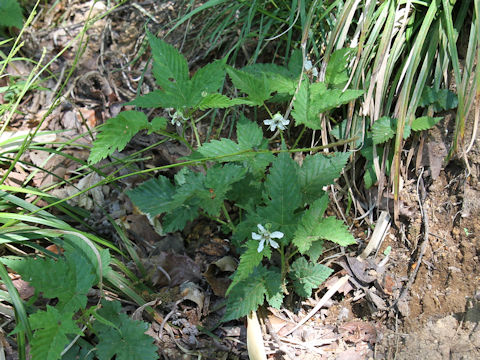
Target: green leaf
x=319 y=170
x=255 y=87
x=282 y=194
x=219 y=101
x=218 y=181
x=249 y=134
x=158 y=99
x=177 y=218
x=337 y=68
x=170 y=68
x=334 y=230
x=69 y=279
x=273 y=284
x=305 y=233
x=424 y=123
x=307 y=276
x=442 y=99
x=157 y=124
x=116 y=133
x=249 y=260
x=127 y=340
x=207 y=80
x=301 y=107
x=246 y=296
x=315 y=251
x=279 y=79
x=51 y=330
x=331 y=99
x=383 y=130
x=11 y=14
x=154 y=196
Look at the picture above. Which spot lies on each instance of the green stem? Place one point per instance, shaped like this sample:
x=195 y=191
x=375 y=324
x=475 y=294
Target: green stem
x=269 y=113
x=195 y=131
x=299 y=137
x=227 y=216
x=283 y=262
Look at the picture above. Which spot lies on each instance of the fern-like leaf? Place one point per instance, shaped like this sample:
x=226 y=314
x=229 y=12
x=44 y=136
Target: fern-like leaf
x=116 y=133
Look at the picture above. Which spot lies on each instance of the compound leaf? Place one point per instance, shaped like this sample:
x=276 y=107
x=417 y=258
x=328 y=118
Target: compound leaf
x=51 y=330
x=116 y=133
x=154 y=196
x=307 y=276
x=126 y=340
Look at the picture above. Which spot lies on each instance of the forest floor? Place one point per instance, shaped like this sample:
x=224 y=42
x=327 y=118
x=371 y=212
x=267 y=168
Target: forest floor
x=436 y=317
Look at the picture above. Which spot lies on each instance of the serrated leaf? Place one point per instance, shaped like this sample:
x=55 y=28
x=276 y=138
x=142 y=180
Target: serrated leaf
x=221 y=148
x=442 y=99
x=51 y=330
x=305 y=233
x=279 y=79
x=245 y=297
x=116 y=133
x=282 y=194
x=158 y=99
x=255 y=87
x=170 y=68
x=249 y=260
x=157 y=124
x=301 y=107
x=332 y=98
x=11 y=14
x=154 y=196
x=249 y=134
x=69 y=279
x=307 y=276
x=207 y=80
x=335 y=231
x=424 y=123
x=337 y=67
x=218 y=181
x=127 y=340
x=273 y=284
x=315 y=251
x=319 y=170
x=219 y=101
x=177 y=218
x=383 y=130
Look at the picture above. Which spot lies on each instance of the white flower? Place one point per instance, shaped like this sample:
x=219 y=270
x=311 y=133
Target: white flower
x=309 y=68
x=177 y=117
x=277 y=122
x=266 y=236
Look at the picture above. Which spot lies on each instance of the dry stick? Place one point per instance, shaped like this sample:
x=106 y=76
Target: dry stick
x=322 y=302
x=275 y=337
x=413 y=275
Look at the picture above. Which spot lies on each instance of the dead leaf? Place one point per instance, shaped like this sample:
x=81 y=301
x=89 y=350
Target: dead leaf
x=218 y=282
x=169 y=269
x=192 y=292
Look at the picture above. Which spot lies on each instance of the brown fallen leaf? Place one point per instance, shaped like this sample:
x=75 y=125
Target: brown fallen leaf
x=169 y=269
x=218 y=282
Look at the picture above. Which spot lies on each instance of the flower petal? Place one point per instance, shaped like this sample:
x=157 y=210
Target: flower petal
x=274 y=244
x=276 y=235
x=269 y=122
x=261 y=229
x=261 y=245
x=256 y=236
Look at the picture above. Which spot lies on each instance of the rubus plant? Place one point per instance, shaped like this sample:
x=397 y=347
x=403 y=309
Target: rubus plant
x=272 y=206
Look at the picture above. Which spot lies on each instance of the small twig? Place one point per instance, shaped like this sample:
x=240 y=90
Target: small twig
x=322 y=302
x=413 y=275
x=275 y=337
